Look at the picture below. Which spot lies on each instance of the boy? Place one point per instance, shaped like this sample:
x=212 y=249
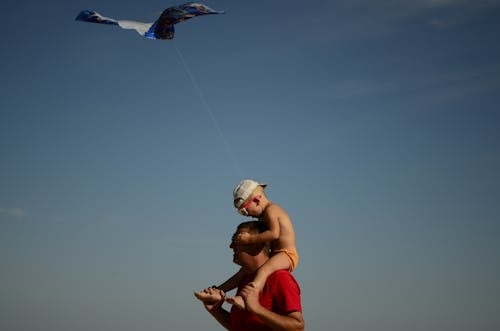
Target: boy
x=250 y=199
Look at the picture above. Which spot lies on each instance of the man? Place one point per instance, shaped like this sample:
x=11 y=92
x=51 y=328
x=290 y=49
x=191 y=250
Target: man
x=277 y=307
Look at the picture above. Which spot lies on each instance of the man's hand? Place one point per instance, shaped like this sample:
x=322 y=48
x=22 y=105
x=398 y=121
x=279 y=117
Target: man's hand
x=250 y=295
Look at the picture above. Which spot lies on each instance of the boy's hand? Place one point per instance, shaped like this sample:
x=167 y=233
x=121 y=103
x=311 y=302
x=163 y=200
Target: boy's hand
x=243 y=238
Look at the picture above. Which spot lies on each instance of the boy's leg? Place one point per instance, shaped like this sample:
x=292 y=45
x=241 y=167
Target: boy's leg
x=236 y=301
x=232 y=282
x=211 y=294
x=279 y=261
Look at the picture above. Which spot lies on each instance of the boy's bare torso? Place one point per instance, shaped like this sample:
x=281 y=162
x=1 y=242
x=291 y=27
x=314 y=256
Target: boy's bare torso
x=286 y=239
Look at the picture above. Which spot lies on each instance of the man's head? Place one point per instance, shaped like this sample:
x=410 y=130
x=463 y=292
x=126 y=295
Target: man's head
x=250 y=256
x=244 y=194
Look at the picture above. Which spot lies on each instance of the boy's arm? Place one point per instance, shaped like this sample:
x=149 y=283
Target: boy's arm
x=271 y=219
x=258 y=238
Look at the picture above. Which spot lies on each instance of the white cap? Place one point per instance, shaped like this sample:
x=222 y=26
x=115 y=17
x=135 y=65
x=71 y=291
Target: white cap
x=243 y=191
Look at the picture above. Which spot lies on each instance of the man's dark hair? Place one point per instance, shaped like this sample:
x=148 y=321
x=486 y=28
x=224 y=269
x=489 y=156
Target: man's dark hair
x=254 y=226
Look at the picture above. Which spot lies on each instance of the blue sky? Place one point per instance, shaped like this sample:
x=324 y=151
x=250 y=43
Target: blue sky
x=375 y=123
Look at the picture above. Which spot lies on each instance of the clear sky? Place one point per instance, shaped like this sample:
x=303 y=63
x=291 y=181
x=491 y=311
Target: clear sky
x=375 y=123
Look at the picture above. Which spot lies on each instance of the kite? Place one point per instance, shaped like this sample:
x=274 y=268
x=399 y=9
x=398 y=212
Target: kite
x=162 y=28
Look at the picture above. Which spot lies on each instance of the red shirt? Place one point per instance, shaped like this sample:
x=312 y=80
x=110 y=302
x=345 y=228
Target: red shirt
x=281 y=294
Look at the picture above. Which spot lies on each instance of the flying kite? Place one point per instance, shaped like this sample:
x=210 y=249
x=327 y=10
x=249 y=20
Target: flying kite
x=162 y=28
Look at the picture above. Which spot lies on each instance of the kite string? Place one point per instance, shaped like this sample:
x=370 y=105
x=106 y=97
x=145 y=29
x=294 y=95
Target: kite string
x=206 y=106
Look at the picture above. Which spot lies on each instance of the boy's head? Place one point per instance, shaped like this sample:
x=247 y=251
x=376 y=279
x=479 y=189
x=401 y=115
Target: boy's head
x=244 y=191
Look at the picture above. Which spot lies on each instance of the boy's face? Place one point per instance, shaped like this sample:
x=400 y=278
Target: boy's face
x=249 y=208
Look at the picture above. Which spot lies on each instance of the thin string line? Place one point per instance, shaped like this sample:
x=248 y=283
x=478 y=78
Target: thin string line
x=207 y=107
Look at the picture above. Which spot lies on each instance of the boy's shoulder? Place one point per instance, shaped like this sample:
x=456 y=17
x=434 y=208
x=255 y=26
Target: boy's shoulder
x=274 y=208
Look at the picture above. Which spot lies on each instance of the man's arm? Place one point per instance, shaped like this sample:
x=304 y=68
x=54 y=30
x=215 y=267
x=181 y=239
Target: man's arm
x=291 y=322
x=220 y=314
